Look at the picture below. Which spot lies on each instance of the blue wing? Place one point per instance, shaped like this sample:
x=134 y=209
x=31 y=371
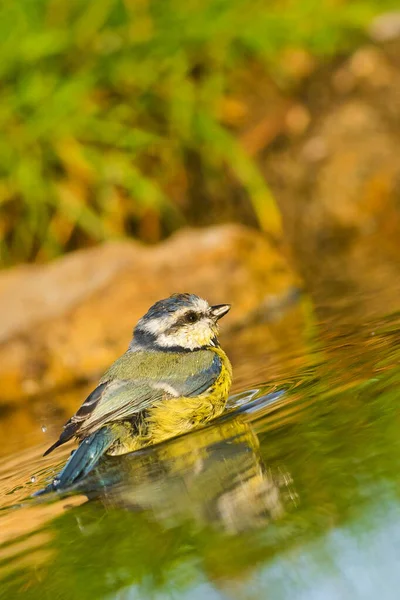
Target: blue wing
x=118 y=398
x=200 y=382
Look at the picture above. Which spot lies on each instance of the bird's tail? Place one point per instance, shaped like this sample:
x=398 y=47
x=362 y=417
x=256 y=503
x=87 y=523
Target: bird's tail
x=82 y=461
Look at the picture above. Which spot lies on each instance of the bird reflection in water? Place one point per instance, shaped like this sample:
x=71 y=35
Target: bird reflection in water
x=177 y=501
x=214 y=476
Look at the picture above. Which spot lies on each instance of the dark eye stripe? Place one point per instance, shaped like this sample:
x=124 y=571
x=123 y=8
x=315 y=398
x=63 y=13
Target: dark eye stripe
x=183 y=320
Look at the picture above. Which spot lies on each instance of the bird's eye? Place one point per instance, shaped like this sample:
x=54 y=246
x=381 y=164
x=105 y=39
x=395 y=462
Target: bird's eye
x=191 y=317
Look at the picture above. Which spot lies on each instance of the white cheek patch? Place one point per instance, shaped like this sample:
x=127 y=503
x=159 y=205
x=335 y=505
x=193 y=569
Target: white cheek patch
x=203 y=330
x=180 y=339
x=190 y=337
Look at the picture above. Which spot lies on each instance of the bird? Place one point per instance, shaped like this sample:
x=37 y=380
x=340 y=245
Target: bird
x=173 y=377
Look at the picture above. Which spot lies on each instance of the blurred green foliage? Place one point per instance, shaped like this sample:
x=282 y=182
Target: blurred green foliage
x=104 y=104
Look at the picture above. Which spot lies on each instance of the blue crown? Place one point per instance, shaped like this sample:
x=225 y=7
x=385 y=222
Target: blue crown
x=170 y=305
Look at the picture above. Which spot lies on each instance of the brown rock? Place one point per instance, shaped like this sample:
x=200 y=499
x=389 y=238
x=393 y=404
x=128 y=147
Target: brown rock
x=67 y=321
x=338 y=186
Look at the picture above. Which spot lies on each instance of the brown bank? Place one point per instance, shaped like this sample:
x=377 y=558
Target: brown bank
x=65 y=322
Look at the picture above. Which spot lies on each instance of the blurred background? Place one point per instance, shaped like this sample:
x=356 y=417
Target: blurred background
x=134 y=118
x=244 y=150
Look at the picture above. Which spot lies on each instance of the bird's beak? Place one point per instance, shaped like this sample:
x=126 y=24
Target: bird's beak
x=219 y=310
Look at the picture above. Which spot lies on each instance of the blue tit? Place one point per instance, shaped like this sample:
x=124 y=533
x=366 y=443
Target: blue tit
x=173 y=377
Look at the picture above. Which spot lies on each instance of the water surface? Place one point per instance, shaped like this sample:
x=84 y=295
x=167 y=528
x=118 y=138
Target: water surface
x=293 y=494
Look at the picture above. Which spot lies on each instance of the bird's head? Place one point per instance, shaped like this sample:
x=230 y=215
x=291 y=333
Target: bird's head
x=182 y=321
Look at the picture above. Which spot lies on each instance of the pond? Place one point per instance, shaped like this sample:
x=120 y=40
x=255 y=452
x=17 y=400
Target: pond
x=293 y=494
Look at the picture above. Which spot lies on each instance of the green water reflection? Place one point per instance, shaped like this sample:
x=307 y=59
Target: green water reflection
x=289 y=496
